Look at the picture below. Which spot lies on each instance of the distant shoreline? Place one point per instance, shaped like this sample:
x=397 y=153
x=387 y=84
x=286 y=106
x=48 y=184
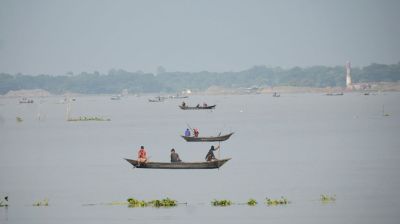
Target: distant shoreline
x=218 y=90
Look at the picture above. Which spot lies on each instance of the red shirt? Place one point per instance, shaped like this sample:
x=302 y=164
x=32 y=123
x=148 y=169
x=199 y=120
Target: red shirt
x=142 y=153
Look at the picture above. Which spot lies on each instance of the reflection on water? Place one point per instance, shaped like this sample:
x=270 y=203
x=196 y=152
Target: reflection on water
x=298 y=146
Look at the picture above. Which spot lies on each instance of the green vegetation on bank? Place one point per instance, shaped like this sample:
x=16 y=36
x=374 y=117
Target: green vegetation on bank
x=138 y=82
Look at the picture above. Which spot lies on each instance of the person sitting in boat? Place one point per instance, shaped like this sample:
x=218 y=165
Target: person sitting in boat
x=183 y=104
x=5 y=202
x=187 y=132
x=198 y=105
x=142 y=155
x=175 y=157
x=204 y=104
x=196 y=132
x=210 y=155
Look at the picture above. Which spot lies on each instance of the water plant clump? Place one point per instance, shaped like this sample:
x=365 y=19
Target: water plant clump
x=166 y=202
x=19 y=119
x=327 y=198
x=136 y=203
x=281 y=201
x=44 y=202
x=221 y=202
x=252 y=202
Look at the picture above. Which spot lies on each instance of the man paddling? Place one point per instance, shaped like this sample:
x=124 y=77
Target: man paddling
x=210 y=155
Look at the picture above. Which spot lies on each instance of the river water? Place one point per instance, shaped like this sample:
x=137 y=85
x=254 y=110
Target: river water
x=298 y=146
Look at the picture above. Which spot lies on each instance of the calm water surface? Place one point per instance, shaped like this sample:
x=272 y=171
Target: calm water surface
x=298 y=146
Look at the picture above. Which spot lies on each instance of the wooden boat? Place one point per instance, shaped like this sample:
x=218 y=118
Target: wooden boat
x=207 y=139
x=197 y=108
x=115 y=97
x=276 y=94
x=334 y=94
x=25 y=100
x=181 y=165
x=157 y=99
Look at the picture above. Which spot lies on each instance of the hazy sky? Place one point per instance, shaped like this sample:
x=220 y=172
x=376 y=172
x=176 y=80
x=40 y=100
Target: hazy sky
x=55 y=37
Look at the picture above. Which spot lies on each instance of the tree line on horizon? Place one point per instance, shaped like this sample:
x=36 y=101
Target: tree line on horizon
x=171 y=82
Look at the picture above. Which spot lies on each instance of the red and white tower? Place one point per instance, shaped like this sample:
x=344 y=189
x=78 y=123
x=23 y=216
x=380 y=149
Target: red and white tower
x=348 y=75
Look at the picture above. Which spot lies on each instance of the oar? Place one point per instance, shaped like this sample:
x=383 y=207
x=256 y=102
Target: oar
x=190 y=127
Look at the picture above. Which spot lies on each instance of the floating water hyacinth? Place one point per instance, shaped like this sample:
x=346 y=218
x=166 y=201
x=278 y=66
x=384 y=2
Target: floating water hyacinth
x=19 y=119
x=136 y=203
x=166 y=202
x=282 y=201
x=252 y=202
x=221 y=202
x=327 y=198
x=44 y=202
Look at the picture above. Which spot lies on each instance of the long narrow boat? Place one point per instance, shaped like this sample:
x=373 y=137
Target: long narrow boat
x=207 y=139
x=197 y=108
x=181 y=165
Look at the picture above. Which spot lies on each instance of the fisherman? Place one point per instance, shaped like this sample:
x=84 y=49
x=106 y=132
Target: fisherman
x=175 y=157
x=204 y=104
x=198 y=105
x=196 y=132
x=210 y=155
x=187 y=132
x=5 y=202
x=142 y=155
x=183 y=104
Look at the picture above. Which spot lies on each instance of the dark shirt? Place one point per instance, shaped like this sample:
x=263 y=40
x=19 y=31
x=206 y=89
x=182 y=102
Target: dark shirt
x=175 y=157
x=210 y=155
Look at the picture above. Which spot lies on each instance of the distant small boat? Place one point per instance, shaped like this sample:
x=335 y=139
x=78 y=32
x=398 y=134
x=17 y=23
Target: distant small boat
x=157 y=99
x=207 y=139
x=180 y=165
x=334 y=94
x=25 y=100
x=197 y=107
x=276 y=94
x=115 y=98
x=178 y=97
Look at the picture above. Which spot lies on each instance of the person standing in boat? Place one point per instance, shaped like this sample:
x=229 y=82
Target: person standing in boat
x=210 y=155
x=183 y=104
x=175 y=157
x=187 y=132
x=196 y=132
x=142 y=155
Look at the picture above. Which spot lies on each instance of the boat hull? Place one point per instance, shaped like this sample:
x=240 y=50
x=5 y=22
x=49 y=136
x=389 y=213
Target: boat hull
x=198 y=108
x=207 y=139
x=181 y=165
